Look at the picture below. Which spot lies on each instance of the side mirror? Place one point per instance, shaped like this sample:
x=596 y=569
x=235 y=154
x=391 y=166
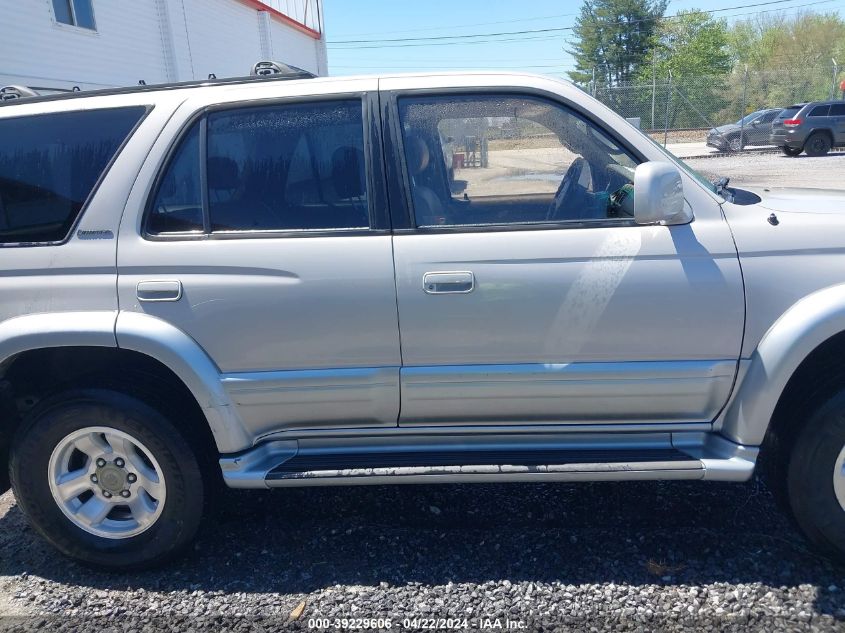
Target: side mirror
x=659 y=195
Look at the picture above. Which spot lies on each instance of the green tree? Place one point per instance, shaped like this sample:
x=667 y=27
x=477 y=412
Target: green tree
x=789 y=59
x=613 y=39
x=690 y=44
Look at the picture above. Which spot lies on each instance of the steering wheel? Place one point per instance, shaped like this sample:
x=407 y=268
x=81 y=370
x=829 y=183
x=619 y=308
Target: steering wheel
x=567 y=187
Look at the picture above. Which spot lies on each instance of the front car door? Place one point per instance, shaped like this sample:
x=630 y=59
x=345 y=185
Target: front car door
x=526 y=292
x=265 y=238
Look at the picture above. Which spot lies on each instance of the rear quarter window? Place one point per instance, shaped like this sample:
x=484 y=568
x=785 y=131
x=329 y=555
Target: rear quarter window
x=820 y=111
x=50 y=165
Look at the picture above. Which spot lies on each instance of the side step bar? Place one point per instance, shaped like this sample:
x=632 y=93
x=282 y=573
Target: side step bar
x=292 y=463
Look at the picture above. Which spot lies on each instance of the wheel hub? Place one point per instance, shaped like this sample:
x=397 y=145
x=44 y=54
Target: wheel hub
x=112 y=478
x=106 y=482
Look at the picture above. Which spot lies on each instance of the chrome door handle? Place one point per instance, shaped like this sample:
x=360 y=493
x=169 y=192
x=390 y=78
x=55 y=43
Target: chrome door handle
x=163 y=290
x=448 y=282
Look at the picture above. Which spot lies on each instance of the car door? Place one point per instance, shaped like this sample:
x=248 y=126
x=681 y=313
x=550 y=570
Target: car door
x=265 y=238
x=526 y=292
x=837 y=114
x=763 y=128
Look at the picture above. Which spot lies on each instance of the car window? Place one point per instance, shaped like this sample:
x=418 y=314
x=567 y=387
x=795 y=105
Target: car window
x=769 y=116
x=788 y=113
x=822 y=110
x=287 y=167
x=280 y=168
x=178 y=204
x=50 y=164
x=478 y=160
x=837 y=109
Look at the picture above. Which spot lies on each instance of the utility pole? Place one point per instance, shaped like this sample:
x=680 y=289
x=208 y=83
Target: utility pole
x=835 y=73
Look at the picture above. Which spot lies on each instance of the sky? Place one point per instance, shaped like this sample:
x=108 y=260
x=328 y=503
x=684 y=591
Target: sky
x=366 y=21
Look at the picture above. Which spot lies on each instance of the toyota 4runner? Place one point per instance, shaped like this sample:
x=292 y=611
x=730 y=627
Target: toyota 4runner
x=289 y=281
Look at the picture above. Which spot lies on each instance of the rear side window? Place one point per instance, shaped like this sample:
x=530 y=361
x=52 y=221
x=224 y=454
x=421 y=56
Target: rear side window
x=50 y=164
x=820 y=111
x=270 y=168
x=837 y=109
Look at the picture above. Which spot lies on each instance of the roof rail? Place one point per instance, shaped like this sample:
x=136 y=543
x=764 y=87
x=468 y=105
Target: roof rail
x=261 y=71
x=8 y=93
x=270 y=68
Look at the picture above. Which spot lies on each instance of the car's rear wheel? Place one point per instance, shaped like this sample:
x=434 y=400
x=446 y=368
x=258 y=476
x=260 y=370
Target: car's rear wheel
x=818 y=144
x=791 y=151
x=815 y=478
x=107 y=479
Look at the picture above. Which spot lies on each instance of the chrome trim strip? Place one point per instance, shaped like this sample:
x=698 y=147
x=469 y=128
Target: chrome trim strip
x=587 y=392
x=278 y=401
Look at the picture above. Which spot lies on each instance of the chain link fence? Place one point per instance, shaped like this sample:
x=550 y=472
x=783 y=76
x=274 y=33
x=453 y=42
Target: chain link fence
x=667 y=107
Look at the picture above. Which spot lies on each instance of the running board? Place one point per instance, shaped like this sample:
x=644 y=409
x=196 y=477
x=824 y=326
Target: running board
x=289 y=464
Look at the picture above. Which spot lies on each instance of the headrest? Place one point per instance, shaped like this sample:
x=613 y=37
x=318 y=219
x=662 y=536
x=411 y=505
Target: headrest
x=348 y=172
x=222 y=173
x=417 y=154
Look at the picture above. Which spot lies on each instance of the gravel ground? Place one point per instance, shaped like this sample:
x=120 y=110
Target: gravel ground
x=671 y=556
x=777 y=170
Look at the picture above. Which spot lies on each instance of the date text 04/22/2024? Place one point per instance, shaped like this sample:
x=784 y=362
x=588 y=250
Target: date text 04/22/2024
x=424 y=624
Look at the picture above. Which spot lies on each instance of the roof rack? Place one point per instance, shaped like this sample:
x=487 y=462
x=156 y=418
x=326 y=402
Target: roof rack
x=261 y=71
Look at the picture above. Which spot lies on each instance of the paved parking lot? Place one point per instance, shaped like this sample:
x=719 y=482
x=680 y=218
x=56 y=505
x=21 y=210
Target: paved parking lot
x=673 y=556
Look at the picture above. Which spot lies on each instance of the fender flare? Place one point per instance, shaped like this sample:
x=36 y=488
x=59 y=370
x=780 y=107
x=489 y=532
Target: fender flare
x=140 y=333
x=171 y=346
x=804 y=326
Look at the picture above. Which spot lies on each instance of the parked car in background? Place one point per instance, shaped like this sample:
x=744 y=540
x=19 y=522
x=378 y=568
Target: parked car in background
x=753 y=129
x=813 y=128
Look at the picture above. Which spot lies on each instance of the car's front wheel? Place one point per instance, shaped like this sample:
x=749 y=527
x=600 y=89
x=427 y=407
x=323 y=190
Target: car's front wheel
x=815 y=478
x=736 y=143
x=107 y=479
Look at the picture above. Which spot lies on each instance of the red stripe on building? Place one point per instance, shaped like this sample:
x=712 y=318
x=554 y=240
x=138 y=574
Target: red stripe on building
x=299 y=26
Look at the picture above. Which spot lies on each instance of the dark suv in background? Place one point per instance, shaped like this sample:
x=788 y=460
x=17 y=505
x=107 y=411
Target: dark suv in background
x=813 y=127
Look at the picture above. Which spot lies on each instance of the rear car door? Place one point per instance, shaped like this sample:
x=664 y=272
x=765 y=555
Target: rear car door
x=265 y=238
x=527 y=295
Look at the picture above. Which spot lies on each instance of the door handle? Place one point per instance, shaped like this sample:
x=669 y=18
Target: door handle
x=163 y=290
x=448 y=282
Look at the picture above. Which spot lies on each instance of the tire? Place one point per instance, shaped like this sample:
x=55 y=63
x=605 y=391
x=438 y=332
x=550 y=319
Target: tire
x=736 y=144
x=817 y=145
x=791 y=151
x=815 y=464
x=161 y=525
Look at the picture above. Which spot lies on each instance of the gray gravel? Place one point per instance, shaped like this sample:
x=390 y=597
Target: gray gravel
x=672 y=556
x=822 y=172
x=625 y=557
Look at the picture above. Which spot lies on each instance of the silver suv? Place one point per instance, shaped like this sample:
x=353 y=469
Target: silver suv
x=276 y=282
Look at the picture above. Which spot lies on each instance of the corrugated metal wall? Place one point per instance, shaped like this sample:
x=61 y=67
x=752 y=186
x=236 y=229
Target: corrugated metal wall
x=153 y=40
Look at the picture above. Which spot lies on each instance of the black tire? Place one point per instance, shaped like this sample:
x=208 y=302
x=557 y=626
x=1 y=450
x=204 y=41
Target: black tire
x=62 y=414
x=818 y=144
x=791 y=151
x=810 y=475
x=736 y=143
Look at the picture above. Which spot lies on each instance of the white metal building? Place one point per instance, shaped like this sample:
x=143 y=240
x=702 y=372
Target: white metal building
x=106 y=43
